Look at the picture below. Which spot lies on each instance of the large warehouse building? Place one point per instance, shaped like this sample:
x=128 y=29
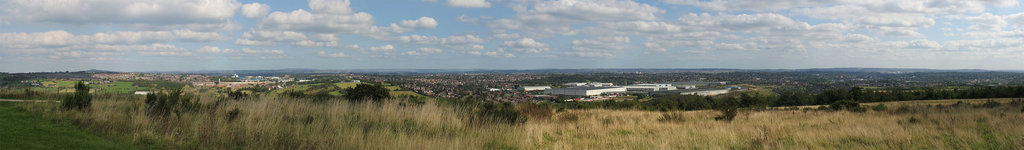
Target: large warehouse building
x=701 y=92
x=585 y=91
x=534 y=88
x=649 y=87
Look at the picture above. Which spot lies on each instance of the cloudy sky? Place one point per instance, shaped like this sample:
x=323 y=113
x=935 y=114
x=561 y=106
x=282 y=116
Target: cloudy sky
x=161 y=35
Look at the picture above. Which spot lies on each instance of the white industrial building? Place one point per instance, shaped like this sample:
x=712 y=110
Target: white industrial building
x=649 y=87
x=685 y=86
x=701 y=92
x=589 y=84
x=585 y=91
x=534 y=88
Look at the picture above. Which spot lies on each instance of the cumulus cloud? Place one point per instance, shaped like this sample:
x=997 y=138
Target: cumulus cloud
x=423 y=51
x=255 y=10
x=192 y=14
x=384 y=48
x=326 y=54
x=556 y=17
x=602 y=46
x=468 y=3
x=526 y=45
x=336 y=16
x=61 y=38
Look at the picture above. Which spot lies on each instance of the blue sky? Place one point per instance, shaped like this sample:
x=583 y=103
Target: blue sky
x=156 y=35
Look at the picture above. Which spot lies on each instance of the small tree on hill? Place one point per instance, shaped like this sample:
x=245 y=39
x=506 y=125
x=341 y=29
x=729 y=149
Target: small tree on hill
x=367 y=91
x=729 y=107
x=80 y=100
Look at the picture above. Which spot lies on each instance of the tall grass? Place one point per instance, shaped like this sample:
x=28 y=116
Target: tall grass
x=286 y=123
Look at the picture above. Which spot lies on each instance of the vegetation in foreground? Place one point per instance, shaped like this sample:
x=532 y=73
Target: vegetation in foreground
x=283 y=122
x=25 y=130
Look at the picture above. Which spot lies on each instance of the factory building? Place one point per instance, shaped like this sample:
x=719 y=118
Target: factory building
x=649 y=87
x=585 y=91
x=701 y=92
x=588 y=84
x=534 y=88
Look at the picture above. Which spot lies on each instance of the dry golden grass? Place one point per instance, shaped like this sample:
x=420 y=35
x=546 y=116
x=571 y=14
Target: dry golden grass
x=279 y=123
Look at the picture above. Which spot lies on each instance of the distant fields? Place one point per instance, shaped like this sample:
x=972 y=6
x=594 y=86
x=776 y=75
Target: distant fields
x=118 y=87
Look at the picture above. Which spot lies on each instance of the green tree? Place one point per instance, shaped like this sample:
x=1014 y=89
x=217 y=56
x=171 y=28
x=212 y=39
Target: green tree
x=80 y=100
x=362 y=92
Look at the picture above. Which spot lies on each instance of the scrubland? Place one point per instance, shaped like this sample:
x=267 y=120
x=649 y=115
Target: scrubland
x=287 y=123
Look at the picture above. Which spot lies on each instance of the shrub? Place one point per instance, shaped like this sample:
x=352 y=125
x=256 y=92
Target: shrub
x=233 y=114
x=535 y=111
x=904 y=109
x=879 y=107
x=367 y=91
x=858 y=109
x=498 y=113
x=991 y=104
x=672 y=117
x=844 y=105
x=570 y=117
x=728 y=107
x=80 y=100
x=175 y=102
x=237 y=95
x=913 y=120
x=727 y=114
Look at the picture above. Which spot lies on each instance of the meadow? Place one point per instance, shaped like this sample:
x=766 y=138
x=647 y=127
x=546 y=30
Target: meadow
x=287 y=123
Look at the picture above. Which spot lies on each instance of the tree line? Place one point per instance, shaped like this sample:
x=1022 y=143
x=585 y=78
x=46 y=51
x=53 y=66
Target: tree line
x=800 y=98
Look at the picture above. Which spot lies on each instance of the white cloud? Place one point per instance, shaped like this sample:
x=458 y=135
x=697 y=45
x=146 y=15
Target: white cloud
x=255 y=10
x=458 y=42
x=336 y=17
x=748 y=4
x=555 y=17
x=326 y=54
x=987 y=22
x=469 y=3
x=526 y=45
x=601 y=46
x=423 y=51
x=64 y=38
x=190 y=14
x=331 y=6
x=246 y=42
x=384 y=48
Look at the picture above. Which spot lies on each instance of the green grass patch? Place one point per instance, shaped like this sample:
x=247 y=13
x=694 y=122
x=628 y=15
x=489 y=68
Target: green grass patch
x=23 y=130
x=345 y=85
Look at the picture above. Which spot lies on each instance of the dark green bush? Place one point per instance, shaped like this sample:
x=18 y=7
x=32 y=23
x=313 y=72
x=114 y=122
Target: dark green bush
x=844 y=105
x=81 y=99
x=729 y=107
x=362 y=92
x=233 y=114
x=175 y=102
x=237 y=95
x=879 y=107
x=858 y=109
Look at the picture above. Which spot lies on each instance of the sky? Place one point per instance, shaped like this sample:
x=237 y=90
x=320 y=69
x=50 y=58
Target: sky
x=187 y=35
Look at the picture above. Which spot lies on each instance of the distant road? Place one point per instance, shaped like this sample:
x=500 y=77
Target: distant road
x=35 y=101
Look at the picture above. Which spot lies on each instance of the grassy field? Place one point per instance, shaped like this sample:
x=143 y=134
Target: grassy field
x=287 y=123
x=20 y=129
